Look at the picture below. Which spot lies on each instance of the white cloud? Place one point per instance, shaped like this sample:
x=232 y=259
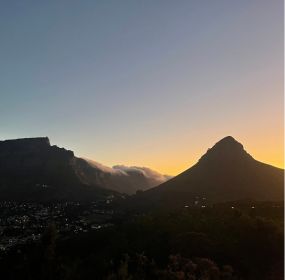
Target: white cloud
x=126 y=170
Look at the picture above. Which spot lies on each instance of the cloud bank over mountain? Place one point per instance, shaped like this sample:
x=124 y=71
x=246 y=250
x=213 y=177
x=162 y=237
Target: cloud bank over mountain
x=128 y=179
x=145 y=171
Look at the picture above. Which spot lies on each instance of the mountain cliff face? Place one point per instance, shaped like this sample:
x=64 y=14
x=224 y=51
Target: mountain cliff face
x=33 y=159
x=225 y=173
x=32 y=169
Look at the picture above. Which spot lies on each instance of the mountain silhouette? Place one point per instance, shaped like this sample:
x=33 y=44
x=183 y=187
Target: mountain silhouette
x=32 y=169
x=226 y=172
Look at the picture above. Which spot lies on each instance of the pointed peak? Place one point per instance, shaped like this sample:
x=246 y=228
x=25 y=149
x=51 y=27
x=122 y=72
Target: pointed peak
x=227 y=148
x=228 y=140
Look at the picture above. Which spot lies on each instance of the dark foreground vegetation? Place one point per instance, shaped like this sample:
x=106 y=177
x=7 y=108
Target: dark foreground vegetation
x=218 y=242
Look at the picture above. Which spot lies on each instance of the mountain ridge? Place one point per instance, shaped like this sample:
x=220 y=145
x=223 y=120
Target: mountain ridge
x=226 y=172
x=28 y=163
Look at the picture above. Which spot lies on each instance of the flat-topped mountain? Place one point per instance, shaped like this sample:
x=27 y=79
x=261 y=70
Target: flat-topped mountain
x=28 y=143
x=226 y=172
x=32 y=169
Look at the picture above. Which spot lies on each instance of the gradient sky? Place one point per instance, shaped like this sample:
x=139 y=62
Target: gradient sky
x=147 y=83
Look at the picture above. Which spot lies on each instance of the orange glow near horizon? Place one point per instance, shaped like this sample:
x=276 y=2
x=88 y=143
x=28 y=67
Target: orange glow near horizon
x=181 y=155
x=180 y=166
x=146 y=86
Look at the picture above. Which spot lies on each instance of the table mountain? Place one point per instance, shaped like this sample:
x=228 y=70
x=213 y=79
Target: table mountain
x=32 y=169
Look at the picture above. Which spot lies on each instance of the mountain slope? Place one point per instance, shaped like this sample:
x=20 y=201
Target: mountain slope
x=226 y=172
x=32 y=169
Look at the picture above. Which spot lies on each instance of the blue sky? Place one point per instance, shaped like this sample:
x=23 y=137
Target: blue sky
x=151 y=83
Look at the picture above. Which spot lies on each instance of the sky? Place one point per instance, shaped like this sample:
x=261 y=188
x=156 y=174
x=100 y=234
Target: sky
x=146 y=83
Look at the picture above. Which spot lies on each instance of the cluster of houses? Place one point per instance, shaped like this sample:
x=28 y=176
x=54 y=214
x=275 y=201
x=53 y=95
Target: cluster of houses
x=25 y=222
